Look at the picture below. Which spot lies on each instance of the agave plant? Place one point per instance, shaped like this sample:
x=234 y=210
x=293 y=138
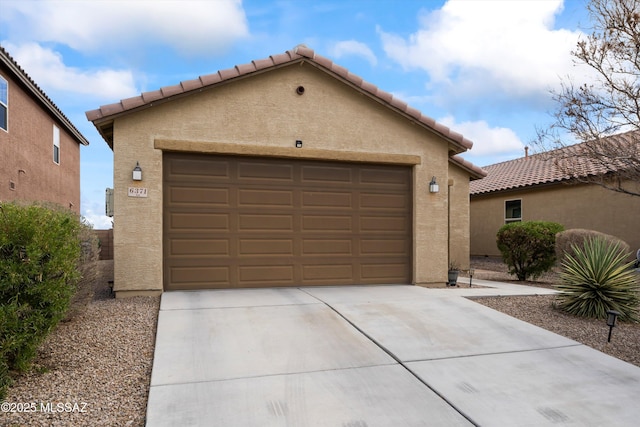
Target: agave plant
x=596 y=278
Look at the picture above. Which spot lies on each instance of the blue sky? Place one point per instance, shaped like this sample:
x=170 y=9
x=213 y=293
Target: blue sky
x=482 y=67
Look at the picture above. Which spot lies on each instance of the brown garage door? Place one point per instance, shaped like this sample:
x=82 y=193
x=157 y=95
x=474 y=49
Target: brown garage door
x=258 y=222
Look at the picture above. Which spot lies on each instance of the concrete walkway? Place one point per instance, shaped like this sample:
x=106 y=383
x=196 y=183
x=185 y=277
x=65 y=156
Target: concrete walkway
x=375 y=356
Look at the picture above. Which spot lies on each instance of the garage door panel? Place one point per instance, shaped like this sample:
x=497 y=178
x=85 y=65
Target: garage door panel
x=265 y=198
x=384 y=224
x=391 y=272
x=327 y=200
x=255 y=274
x=256 y=222
x=250 y=222
x=193 y=168
x=198 y=221
x=327 y=273
x=327 y=247
x=200 y=276
x=197 y=247
x=268 y=246
x=384 y=201
x=385 y=177
x=396 y=247
x=326 y=175
x=264 y=171
x=194 y=196
x=326 y=223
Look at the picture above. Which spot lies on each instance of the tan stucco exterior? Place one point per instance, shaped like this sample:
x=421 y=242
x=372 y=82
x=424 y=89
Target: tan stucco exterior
x=458 y=188
x=263 y=115
x=573 y=206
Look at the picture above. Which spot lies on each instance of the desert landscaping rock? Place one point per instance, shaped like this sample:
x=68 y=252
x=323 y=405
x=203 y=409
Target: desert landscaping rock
x=100 y=359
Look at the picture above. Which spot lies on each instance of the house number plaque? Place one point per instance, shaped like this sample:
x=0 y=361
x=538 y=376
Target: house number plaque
x=137 y=192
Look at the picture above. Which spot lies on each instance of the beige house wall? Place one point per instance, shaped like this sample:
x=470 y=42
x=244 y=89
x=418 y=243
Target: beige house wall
x=264 y=115
x=459 y=217
x=574 y=206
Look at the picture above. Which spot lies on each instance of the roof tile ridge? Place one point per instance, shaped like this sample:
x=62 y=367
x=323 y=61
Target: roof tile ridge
x=304 y=51
x=42 y=92
x=467 y=164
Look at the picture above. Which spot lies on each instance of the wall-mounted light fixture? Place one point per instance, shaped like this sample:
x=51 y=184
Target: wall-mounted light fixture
x=612 y=315
x=433 y=186
x=298 y=143
x=137 y=172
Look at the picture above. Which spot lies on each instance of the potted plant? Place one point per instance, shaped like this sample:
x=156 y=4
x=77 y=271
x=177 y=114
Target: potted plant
x=454 y=270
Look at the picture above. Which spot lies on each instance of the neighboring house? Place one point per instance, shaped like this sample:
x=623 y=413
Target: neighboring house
x=285 y=171
x=39 y=146
x=534 y=189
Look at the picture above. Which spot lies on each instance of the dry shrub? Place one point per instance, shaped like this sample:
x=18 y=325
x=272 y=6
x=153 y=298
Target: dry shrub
x=88 y=268
x=577 y=237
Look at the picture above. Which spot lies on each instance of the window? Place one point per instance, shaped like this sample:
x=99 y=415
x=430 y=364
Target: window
x=512 y=211
x=4 y=104
x=56 y=145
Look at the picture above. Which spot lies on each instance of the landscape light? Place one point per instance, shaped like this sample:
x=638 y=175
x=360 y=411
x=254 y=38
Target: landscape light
x=612 y=315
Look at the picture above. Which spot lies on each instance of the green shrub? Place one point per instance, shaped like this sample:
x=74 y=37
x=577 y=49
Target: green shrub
x=39 y=252
x=528 y=248
x=577 y=236
x=597 y=278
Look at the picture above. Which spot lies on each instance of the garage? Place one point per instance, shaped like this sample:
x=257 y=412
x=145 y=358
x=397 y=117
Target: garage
x=283 y=171
x=244 y=222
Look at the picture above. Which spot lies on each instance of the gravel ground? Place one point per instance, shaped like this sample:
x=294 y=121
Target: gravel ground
x=100 y=359
x=539 y=311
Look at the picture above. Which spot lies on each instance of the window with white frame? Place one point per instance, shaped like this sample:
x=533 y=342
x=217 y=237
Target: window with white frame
x=512 y=211
x=56 y=145
x=4 y=104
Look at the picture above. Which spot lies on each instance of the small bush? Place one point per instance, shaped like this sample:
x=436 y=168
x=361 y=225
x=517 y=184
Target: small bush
x=39 y=253
x=577 y=236
x=597 y=278
x=528 y=248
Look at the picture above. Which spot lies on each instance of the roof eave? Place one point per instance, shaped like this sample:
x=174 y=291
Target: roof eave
x=301 y=54
x=34 y=90
x=474 y=171
x=522 y=187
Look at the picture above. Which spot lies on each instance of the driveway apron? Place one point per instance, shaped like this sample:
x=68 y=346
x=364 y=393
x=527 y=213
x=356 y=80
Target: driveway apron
x=374 y=356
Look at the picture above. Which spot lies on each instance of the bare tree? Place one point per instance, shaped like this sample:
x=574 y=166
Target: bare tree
x=603 y=116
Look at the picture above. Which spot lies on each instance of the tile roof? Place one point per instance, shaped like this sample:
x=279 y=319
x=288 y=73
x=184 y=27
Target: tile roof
x=31 y=86
x=549 y=167
x=475 y=171
x=106 y=113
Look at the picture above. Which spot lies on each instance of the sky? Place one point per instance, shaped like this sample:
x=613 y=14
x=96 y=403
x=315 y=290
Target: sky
x=484 y=68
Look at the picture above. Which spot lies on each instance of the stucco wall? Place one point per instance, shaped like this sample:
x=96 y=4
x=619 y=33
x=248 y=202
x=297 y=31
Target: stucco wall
x=26 y=153
x=265 y=113
x=574 y=206
x=459 y=217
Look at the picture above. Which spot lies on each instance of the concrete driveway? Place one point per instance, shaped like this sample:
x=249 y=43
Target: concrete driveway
x=375 y=356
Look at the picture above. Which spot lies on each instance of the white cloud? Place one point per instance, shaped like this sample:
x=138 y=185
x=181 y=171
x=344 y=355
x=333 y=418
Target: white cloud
x=190 y=27
x=487 y=141
x=98 y=221
x=46 y=67
x=354 y=48
x=489 y=45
